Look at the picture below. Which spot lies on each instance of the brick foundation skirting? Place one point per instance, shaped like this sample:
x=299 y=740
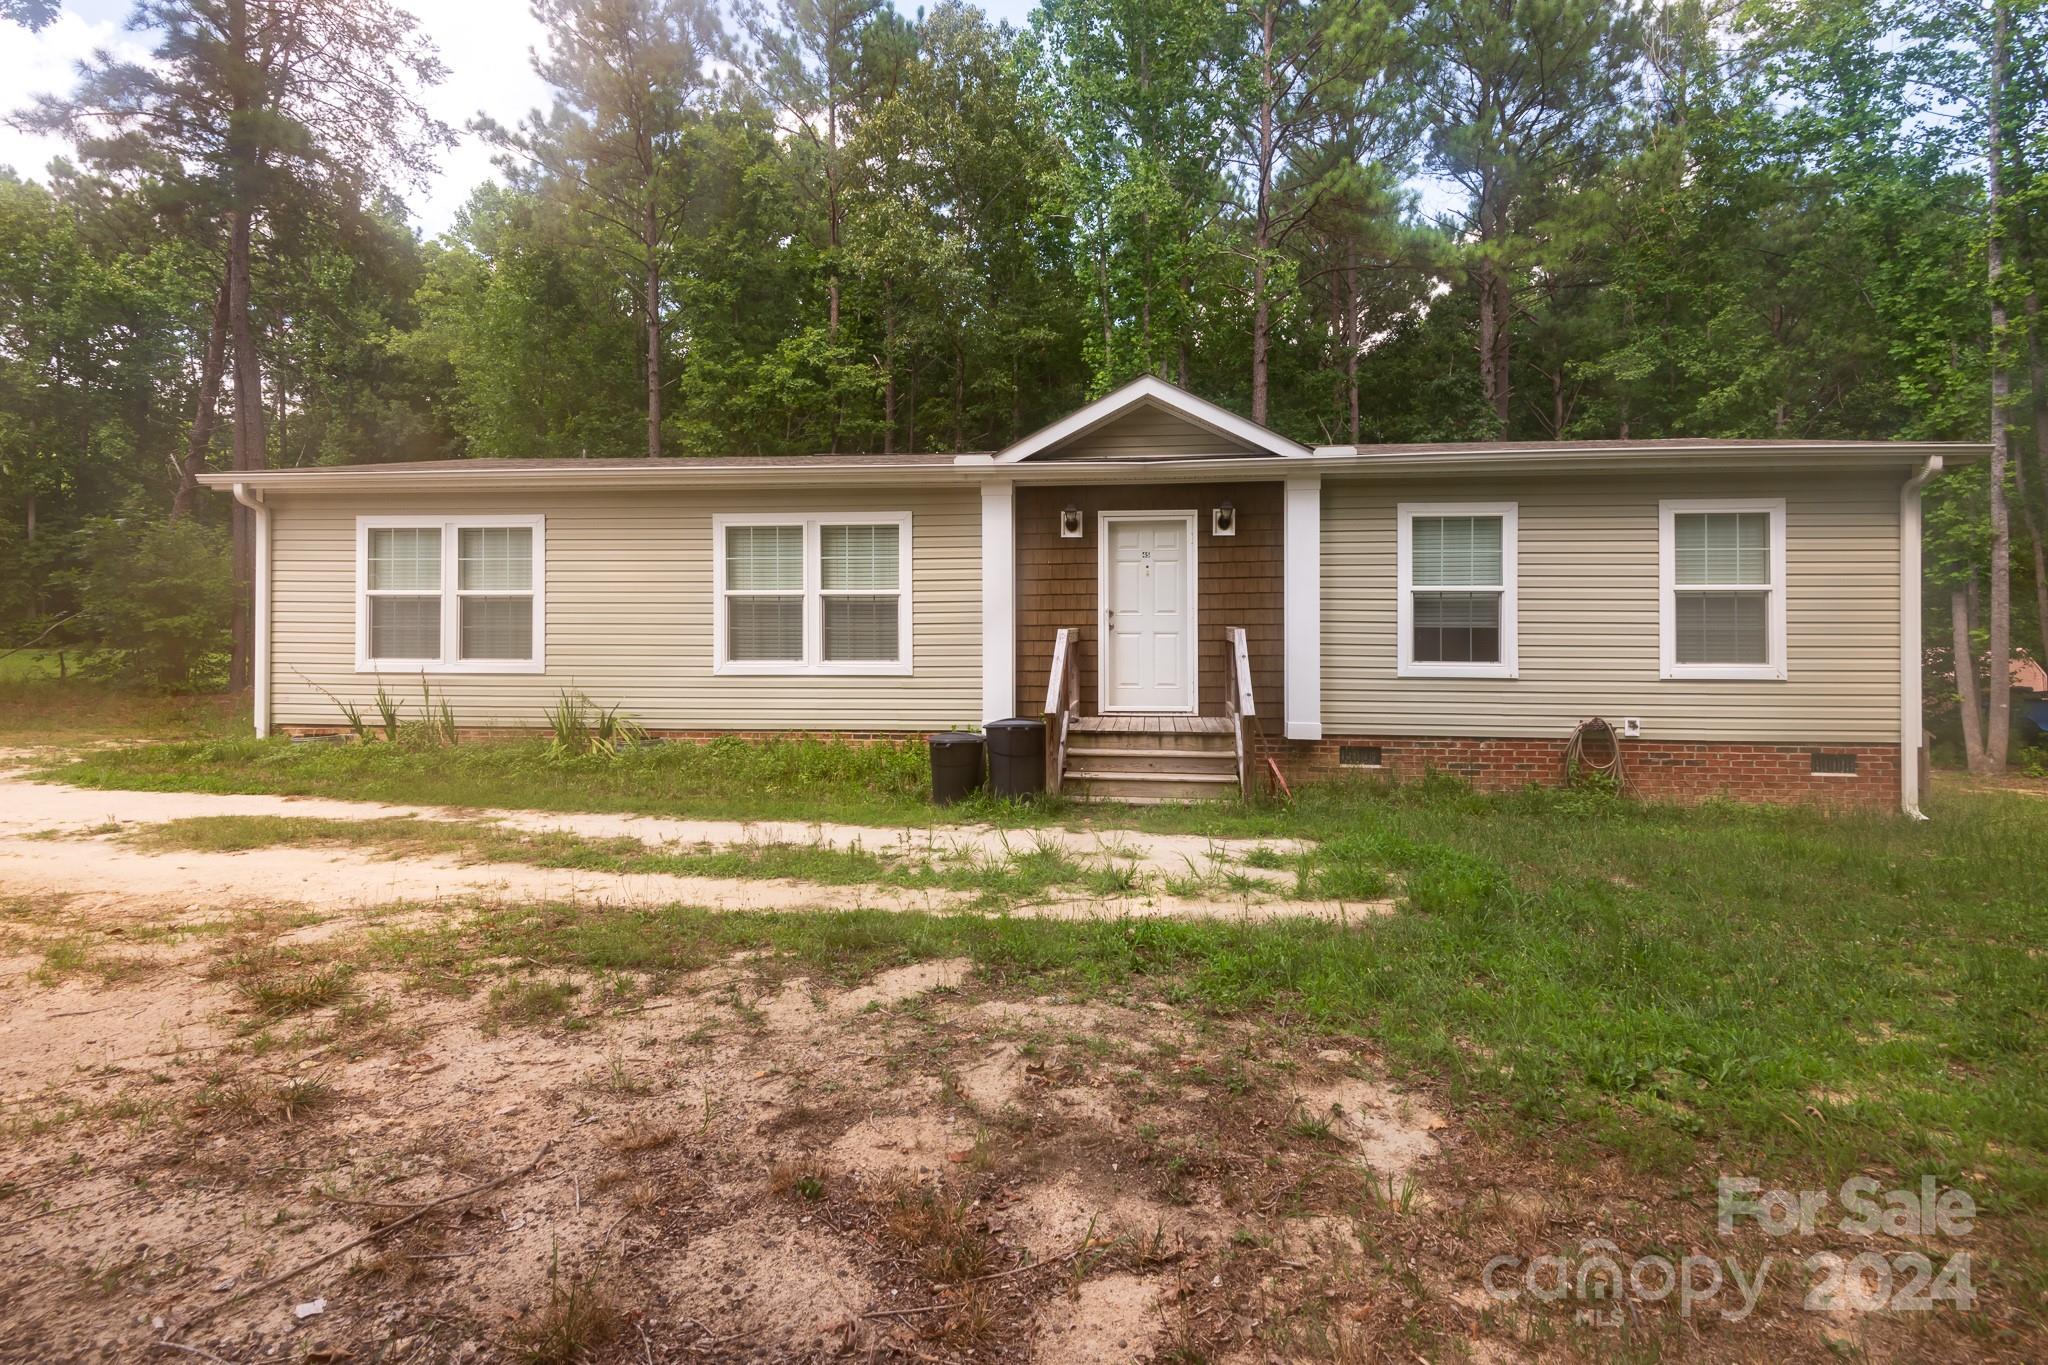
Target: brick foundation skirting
x=1678 y=771
x=1656 y=770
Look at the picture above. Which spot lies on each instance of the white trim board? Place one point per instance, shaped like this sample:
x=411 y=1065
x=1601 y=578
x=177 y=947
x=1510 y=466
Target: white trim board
x=1302 y=609
x=998 y=601
x=1194 y=599
x=1912 y=720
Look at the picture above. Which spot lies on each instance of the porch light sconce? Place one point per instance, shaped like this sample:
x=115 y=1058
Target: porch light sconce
x=1223 y=520
x=1070 y=524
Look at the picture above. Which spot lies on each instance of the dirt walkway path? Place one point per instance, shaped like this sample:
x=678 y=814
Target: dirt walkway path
x=58 y=840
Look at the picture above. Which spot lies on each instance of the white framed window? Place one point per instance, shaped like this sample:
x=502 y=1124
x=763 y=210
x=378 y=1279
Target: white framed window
x=811 y=592
x=450 y=594
x=1721 y=577
x=1456 y=612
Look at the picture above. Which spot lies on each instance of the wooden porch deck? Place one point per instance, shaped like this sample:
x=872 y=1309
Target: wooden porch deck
x=1154 y=725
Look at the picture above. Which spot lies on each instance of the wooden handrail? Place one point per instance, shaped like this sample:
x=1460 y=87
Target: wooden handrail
x=1062 y=704
x=1238 y=703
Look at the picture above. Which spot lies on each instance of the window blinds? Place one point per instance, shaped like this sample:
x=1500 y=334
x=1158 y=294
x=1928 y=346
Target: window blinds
x=1456 y=552
x=764 y=581
x=1714 y=556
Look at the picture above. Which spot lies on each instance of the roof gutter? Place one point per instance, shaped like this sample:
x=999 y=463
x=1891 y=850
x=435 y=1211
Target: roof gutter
x=259 y=512
x=1912 y=721
x=975 y=470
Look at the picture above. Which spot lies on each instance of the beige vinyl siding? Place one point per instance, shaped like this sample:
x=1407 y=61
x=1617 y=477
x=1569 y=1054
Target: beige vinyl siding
x=1588 y=627
x=629 y=611
x=1148 y=433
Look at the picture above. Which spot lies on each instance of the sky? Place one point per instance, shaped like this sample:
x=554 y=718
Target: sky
x=484 y=42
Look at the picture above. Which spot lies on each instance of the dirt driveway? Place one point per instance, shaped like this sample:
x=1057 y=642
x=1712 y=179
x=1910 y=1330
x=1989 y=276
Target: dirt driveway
x=254 y=1111
x=67 y=841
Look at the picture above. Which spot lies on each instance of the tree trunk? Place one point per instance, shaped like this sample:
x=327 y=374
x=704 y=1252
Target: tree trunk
x=2037 y=378
x=249 y=441
x=201 y=439
x=1350 y=334
x=959 y=398
x=1493 y=342
x=888 y=370
x=1998 y=704
x=1102 y=292
x=831 y=203
x=1262 y=223
x=1966 y=679
x=652 y=306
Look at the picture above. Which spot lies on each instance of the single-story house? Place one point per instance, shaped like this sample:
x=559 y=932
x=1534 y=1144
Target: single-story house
x=1185 y=593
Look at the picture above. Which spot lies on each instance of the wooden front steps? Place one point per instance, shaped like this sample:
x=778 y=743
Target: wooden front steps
x=1145 y=760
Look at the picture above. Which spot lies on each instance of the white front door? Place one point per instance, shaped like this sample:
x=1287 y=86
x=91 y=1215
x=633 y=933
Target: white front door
x=1148 y=613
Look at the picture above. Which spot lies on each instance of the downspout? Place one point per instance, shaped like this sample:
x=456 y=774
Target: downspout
x=1911 y=662
x=260 y=674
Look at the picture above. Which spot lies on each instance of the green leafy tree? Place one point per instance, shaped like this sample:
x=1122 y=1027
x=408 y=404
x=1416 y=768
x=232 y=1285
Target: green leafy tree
x=157 y=602
x=520 y=334
x=248 y=106
x=1143 y=86
x=959 y=238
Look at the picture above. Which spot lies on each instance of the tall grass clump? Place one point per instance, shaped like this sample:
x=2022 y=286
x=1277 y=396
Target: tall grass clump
x=578 y=726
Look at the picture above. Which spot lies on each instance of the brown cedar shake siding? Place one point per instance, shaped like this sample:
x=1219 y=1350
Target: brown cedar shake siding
x=1238 y=583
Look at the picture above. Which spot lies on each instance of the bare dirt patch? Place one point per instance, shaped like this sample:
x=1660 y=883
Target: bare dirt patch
x=1394 y=1132
x=783 y=1288
x=898 y=984
x=1115 y=1317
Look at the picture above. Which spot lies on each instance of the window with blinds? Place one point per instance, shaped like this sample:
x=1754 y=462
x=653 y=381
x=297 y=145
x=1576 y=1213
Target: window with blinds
x=1456 y=553
x=1456 y=590
x=402 y=588
x=858 y=567
x=1722 y=577
x=1722 y=616
x=494 y=582
x=764 y=593
x=813 y=594
x=449 y=594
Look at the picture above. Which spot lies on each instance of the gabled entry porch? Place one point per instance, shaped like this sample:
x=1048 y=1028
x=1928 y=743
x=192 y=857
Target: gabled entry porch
x=1152 y=587
x=1149 y=621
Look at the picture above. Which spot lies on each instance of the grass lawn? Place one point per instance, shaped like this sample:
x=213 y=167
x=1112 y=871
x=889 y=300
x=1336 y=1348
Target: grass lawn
x=36 y=708
x=29 y=665
x=1716 y=988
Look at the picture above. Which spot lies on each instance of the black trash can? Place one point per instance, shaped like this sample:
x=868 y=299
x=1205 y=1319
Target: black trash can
x=956 y=766
x=1016 y=756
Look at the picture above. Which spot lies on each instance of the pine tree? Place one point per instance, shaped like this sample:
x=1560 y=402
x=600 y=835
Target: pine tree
x=245 y=107
x=629 y=79
x=1522 y=98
